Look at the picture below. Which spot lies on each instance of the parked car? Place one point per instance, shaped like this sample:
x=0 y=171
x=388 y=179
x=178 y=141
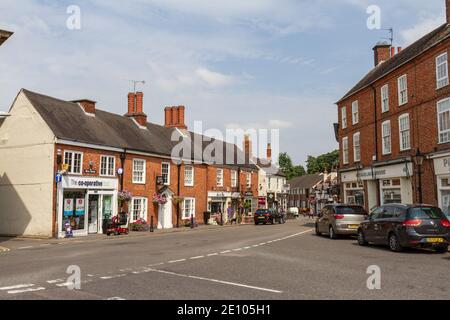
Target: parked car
x=340 y=219
x=400 y=226
x=293 y=211
x=271 y=216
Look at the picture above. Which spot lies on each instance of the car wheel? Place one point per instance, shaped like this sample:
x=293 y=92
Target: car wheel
x=443 y=249
x=394 y=243
x=361 y=238
x=332 y=234
x=317 y=230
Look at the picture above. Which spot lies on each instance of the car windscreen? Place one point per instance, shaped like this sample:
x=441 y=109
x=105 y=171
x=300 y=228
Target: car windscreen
x=425 y=213
x=350 y=210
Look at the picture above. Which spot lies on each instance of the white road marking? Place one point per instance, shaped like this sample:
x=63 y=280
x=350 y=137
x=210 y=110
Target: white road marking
x=26 y=290
x=55 y=281
x=217 y=281
x=226 y=251
x=238 y=249
x=65 y=284
x=113 y=277
x=156 y=264
x=213 y=254
x=174 y=261
x=115 y=298
x=247 y=248
x=22 y=248
x=198 y=257
x=19 y=286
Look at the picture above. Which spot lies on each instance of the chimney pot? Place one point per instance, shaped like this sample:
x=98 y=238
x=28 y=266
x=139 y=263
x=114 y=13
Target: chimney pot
x=399 y=49
x=269 y=152
x=136 y=108
x=174 y=117
x=392 y=52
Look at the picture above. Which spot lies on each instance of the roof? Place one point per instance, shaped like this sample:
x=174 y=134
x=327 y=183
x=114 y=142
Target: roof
x=305 y=182
x=68 y=121
x=420 y=46
x=270 y=168
x=4 y=35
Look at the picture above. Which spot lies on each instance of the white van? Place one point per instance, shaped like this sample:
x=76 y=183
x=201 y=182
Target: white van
x=293 y=211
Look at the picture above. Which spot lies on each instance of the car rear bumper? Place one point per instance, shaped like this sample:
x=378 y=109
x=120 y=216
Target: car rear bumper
x=426 y=240
x=263 y=219
x=346 y=231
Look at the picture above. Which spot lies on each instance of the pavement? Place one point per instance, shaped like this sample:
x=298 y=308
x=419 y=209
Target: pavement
x=248 y=262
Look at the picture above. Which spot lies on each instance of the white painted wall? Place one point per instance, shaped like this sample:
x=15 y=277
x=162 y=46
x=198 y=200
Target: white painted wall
x=26 y=172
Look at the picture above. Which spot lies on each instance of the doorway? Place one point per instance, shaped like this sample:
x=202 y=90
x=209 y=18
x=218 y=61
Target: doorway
x=100 y=208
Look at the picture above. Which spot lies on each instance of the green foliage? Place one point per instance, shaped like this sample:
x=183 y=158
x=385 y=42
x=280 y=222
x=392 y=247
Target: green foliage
x=288 y=168
x=324 y=162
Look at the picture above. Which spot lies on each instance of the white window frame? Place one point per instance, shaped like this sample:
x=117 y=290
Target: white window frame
x=143 y=211
x=355 y=112
x=401 y=90
x=192 y=208
x=234 y=179
x=440 y=131
x=166 y=183
x=345 y=159
x=72 y=156
x=385 y=149
x=135 y=181
x=357 y=147
x=385 y=98
x=248 y=179
x=344 y=117
x=442 y=82
x=219 y=177
x=108 y=159
x=403 y=131
x=191 y=169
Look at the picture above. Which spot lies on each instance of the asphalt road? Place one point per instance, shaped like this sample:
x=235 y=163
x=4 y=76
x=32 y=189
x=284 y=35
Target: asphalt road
x=244 y=262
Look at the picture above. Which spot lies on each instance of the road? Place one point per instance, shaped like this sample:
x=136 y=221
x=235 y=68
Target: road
x=243 y=262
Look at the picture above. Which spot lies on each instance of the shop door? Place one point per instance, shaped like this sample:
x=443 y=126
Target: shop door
x=107 y=207
x=93 y=213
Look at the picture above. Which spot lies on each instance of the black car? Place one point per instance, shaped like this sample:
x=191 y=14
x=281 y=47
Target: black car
x=271 y=216
x=405 y=226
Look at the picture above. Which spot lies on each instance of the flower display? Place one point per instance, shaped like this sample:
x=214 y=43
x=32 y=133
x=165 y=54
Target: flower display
x=159 y=199
x=124 y=195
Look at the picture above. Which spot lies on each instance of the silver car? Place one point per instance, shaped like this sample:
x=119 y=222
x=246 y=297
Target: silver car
x=340 y=219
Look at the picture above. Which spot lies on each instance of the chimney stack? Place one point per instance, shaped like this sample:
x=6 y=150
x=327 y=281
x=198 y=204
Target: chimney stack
x=269 y=152
x=247 y=148
x=87 y=105
x=136 y=108
x=382 y=52
x=174 y=117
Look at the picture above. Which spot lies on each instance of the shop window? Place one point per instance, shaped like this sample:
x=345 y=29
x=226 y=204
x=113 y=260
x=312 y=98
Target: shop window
x=188 y=208
x=396 y=182
x=107 y=166
x=392 y=196
x=386 y=183
x=74 y=210
x=74 y=161
x=445 y=182
x=445 y=198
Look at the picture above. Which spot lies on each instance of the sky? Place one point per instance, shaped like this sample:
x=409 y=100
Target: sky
x=263 y=64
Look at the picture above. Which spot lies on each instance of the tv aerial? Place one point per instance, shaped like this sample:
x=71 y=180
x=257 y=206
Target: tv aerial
x=135 y=82
x=391 y=35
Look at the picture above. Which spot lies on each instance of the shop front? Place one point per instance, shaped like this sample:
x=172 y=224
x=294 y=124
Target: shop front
x=392 y=182
x=84 y=203
x=218 y=203
x=442 y=171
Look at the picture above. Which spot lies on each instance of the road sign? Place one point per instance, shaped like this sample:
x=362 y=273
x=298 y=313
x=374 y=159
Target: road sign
x=58 y=178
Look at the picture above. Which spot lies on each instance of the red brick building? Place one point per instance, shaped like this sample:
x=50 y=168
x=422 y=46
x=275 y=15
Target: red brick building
x=94 y=155
x=397 y=116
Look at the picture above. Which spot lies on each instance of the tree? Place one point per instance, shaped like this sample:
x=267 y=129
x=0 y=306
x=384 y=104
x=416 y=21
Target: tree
x=324 y=162
x=288 y=168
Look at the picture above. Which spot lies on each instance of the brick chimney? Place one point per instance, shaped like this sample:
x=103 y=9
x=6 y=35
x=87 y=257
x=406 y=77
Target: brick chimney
x=269 y=152
x=87 y=105
x=136 y=108
x=382 y=52
x=247 y=147
x=174 y=117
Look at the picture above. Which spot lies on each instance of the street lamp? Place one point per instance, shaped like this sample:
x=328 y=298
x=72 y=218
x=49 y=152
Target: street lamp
x=418 y=161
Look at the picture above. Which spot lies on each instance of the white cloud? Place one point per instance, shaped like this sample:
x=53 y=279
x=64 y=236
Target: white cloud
x=214 y=79
x=424 y=26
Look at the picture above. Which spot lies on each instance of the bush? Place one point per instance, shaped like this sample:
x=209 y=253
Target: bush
x=139 y=225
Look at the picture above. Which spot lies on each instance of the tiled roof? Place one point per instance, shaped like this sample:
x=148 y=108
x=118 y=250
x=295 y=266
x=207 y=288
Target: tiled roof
x=68 y=121
x=420 y=46
x=305 y=182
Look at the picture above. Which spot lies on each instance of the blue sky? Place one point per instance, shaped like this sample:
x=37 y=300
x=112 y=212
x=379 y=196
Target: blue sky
x=262 y=63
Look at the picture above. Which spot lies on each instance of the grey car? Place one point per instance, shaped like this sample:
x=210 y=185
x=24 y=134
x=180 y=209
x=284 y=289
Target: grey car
x=340 y=219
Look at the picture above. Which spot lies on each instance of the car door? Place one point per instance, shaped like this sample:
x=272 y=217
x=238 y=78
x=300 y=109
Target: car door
x=371 y=227
x=384 y=224
x=322 y=218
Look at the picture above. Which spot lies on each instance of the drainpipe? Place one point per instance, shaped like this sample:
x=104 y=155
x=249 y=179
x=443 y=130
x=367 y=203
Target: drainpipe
x=178 y=192
x=374 y=90
x=122 y=161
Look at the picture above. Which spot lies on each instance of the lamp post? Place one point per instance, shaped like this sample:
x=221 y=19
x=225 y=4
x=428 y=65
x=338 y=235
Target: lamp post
x=418 y=161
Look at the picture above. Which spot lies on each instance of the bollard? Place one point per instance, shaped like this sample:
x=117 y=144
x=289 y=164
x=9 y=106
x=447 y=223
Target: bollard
x=192 y=221
x=151 y=224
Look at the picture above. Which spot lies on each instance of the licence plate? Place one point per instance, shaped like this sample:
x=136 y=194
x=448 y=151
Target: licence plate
x=353 y=226
x=435 y=240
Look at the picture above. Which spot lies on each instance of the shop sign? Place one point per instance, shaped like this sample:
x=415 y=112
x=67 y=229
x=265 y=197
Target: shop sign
x=90 y=171
x=159 y=181
x=248 y=194
x=442 y=165
x=71 y=182
x=219 y=194
x=235 y=195
x=58 y=177
x=262 y=201
x=394 y=171
x=68 y=207
x=79 y=207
